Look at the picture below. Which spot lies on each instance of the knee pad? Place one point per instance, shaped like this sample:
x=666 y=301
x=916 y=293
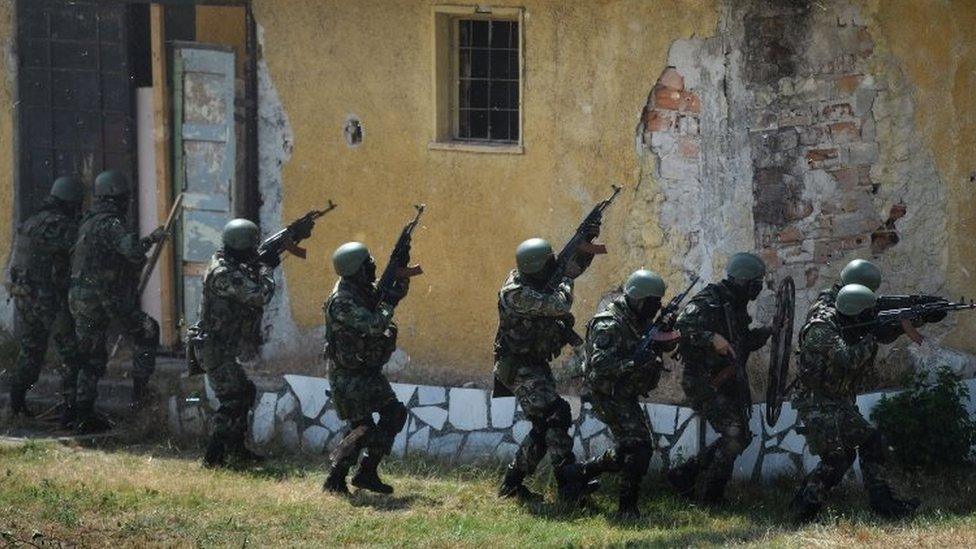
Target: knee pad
x=560 y=416
x=393 y=416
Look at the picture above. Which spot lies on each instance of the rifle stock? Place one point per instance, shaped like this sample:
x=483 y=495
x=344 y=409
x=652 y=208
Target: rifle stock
x=579 y=242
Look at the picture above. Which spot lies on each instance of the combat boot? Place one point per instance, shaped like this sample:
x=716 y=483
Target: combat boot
x=884 y=503
x=571 y=486
x=140 y=393
x=367 y=478
x=627 y=509
x=91 y=423
x=682 y=478
x=215 y=455
x=239 y=451
x=513 y=487
x=336 y=481
x=18 y=403
x=605 y=463
x=803 y=508
x=69 y=413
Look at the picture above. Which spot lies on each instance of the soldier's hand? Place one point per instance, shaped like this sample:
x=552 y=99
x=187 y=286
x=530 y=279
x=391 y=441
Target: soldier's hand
x=722 y=346
x=758 y=337
x=301 y=231
x=593 y=229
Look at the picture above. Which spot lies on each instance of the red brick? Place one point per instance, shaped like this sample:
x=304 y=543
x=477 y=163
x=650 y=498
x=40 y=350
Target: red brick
x=846 y=178
x=817 y=157
x=672 y=79
x=849 y=82
x=656 y=120
x=689 y=148
x=838 y=111
x=675 y=100
x=790 y=235
x=771 y=259
x=845 y=132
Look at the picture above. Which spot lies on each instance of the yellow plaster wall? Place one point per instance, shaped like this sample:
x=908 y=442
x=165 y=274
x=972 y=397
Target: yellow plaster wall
x=223 y=25
x=6 y=132
x=589 y=67
x=935 y=45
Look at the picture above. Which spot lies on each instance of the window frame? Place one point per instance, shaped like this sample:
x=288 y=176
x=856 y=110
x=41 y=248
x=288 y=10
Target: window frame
x=446 y=63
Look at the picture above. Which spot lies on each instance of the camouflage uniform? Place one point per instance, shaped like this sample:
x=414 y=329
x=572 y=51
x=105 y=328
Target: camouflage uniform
x=832 y=369
x=705 y=315
x=533 y=328
x=40 y=273
x=104 y=273
x=614 y=384
x=360 y=337
x=234 y=296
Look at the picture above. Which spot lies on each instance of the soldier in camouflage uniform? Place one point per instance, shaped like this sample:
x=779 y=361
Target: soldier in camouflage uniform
x=360 y=336
x=535 y=323
x=835 y=357
x=857 y=271
x=39 y=276
x=614 y=383
x=105 y=267
x=708 y=377
x=236 y=288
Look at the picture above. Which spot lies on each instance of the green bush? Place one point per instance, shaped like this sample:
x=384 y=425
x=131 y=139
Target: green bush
x=927 y=425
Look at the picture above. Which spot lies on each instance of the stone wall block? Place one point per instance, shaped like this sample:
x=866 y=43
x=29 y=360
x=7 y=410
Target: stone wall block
x=434 y=416
x=520 y=430
x=428 y=395
x=263 y=423
x=314 y=439
x=468 y=409
x=404 y=392
x=312 y=393
x=502 y=412
x=418 y=441
x=287 y=404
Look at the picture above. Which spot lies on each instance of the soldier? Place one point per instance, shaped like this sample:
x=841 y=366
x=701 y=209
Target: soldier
x=104 y=274
x=614 y=383
x=236 y=288
x=836 y=354
x=714 y=321
x=39 y=276
x=360 y=336
x=857 y=271
x=535 y=323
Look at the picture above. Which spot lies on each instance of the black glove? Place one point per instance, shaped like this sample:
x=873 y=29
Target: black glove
x=592 y=229
x=398 y=291
x=270 y=260
x=301 y=231
x=757 y=337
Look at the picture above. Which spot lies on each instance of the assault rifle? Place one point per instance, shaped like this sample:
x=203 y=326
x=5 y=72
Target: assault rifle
x=399 y=267
x=907 y=315
x=662 y=329
x=287 y=239
x=579 y=241
x=888 y=302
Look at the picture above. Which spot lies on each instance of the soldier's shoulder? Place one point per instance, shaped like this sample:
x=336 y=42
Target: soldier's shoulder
x=822 y=323
x=512 y=283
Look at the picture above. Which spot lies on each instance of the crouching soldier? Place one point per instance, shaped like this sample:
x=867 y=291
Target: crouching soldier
x=39 y=276
x=836 y=354
x=614 y=383
x=715 y=340
x=360 y=336
x=535 y=323
x=236 y=287
x=105 y=266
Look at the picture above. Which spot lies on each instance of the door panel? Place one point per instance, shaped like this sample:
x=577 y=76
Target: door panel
x=204 y=112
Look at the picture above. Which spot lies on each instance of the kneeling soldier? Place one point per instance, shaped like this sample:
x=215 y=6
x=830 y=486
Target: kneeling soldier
x=236 y=288
x=836 y=353
x=614 y=383
x=360 y=336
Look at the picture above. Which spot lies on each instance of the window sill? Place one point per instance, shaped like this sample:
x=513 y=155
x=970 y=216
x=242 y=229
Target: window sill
x=473 y=147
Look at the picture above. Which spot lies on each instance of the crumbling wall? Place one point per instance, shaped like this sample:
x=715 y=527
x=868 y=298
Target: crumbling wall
x=8 y=78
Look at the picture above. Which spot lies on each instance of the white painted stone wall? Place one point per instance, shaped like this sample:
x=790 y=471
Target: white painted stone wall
x=465 y=425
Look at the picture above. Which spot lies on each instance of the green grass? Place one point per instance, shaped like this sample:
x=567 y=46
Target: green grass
x=155 y=495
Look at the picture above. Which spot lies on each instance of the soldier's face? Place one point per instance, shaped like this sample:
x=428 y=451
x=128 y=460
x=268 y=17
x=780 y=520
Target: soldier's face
x=369 y=271
x=645 y=308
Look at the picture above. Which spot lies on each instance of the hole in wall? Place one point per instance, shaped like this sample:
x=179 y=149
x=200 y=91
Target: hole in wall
x=352 y=130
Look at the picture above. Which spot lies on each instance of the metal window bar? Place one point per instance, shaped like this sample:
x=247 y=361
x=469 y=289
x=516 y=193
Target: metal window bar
x=496 y=117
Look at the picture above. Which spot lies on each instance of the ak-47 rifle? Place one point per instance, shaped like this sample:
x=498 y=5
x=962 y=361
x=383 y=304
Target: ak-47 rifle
x=662 y=329
x=888 y=302
x=287 y=239
x=399 y=268
x=907 y=315
x=580 y=241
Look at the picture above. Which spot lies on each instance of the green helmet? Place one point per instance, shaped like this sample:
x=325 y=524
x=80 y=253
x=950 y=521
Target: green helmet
x=349 y=258
x=863 y=272
x=241 y=235
x=532 y=255
x=68 y=189
x=854 y=299
x=111 y=183
x=745 y=266
x=643 y=283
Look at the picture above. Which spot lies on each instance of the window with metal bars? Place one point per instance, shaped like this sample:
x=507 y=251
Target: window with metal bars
x=487 y=80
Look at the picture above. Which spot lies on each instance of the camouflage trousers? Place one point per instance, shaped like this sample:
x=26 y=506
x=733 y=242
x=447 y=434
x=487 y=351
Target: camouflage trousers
x=838 y=433
x=41 y=317
x=94 y=310
x=550 y=415
x=712 y=468
x=357 y=395
x=633 y=435
x=233 y=390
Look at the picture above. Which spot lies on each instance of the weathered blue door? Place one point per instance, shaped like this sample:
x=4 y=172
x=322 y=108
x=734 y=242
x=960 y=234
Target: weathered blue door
x=206 y=157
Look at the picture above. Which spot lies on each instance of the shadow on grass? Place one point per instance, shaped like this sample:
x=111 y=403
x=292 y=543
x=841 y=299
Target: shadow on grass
x=381 y=502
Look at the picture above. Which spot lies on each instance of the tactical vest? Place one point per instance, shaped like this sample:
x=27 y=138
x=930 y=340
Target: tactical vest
x=349 y=349
x=93 y=263
x=535 y=338
x=223 y=318
x=716 y=314
x=825 y=377
x=40 y=256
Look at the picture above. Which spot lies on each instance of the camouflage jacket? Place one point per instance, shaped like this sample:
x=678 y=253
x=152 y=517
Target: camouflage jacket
x=360 y=334
x=234 y=296
x=106 y=254
x=703 y=317
x=830 y=366
x=824 y=304
x=612 y=337
x=532 y=323
x=42 y=254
